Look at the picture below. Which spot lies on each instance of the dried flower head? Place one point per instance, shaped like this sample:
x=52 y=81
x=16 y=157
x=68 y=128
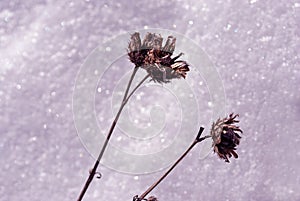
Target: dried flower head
x=155 y=58
x=225 y=137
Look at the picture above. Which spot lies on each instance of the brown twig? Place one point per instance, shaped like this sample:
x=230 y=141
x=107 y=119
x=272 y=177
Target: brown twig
x=197 y=140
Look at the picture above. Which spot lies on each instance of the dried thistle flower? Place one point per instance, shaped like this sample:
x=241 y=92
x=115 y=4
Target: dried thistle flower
x=225 y=137
x=156 y=59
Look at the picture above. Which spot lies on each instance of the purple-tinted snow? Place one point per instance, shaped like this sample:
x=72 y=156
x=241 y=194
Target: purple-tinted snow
x=254 y=45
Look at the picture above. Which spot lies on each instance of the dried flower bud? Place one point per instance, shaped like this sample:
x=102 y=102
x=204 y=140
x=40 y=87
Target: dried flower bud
x=225 y=137
x=135 y=42
x=170 y=45
x=157 y=42
x=156 y=60
x=152 y=41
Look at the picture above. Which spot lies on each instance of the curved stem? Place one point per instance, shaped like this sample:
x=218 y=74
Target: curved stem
x=93 y=171
x=197 y=140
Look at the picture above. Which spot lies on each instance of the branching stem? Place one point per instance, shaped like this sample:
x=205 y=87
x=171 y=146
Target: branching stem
x=124 y=101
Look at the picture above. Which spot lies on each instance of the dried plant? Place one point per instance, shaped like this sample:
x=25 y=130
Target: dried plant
x=151 y=198
x=225 y=137
x=156 y=59
x=162 y=68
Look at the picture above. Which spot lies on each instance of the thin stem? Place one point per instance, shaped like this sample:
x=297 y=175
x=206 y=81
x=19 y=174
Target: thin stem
x=129 y=83
x=137 y=86
x=197 y=140
x=93 y=171
x=125 y=100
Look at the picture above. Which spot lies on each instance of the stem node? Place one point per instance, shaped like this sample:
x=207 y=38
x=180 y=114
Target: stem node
x=198 y=138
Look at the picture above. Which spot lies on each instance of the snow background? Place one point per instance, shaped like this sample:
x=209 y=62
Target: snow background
x=253 y=44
